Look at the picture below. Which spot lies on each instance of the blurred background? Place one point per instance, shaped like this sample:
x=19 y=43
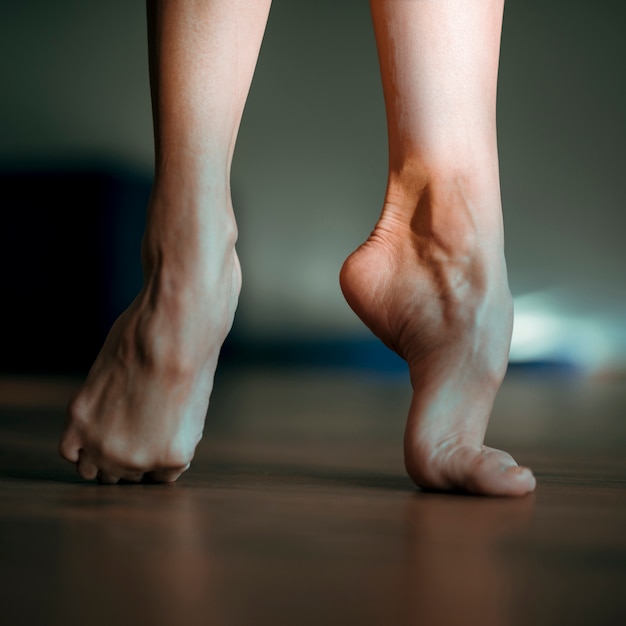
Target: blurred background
x=308 y=180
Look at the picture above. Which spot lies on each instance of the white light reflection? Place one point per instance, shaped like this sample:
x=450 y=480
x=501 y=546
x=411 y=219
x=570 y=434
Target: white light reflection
x=546 y=328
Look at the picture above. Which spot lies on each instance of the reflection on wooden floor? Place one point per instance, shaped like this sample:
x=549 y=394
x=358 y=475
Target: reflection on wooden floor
x=297 y=511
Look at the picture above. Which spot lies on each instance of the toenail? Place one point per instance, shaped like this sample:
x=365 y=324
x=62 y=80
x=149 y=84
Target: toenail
x=520 y=471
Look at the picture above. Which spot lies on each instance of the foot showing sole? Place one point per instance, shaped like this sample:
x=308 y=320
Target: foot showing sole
x=432 y=286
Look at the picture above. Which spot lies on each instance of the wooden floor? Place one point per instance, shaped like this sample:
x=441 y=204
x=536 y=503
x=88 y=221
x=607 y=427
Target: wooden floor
x=297 y=511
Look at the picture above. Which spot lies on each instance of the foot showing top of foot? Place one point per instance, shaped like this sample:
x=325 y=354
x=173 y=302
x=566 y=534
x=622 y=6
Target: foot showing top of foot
x=141 y=411
x=431 y=283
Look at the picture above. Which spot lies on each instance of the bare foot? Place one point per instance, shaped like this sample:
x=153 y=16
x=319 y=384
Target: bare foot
x=431 y=283
x=141 y=411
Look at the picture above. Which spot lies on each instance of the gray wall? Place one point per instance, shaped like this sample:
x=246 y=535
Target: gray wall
x=309 y=171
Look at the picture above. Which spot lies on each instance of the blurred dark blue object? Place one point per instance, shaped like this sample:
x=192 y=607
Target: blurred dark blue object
x=69 y=260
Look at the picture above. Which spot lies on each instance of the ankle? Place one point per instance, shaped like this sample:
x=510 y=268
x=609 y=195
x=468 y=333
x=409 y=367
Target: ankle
x=457 y=212
x=191 y=254
x=175 y=325
x=190 y=204
x=190 y=235
x=447 y=227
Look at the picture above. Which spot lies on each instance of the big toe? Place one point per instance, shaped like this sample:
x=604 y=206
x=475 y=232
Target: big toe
x=475 y=469
x=495 y=473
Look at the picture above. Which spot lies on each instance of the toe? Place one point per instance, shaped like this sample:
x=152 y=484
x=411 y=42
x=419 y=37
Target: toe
x=495 y=473
x=520 y=480
x=132 y=477
x=86 y=466
x=166 y=475
x=105 y=478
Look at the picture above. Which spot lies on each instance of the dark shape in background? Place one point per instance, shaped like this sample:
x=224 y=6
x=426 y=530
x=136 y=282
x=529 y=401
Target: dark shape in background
x=69 y=252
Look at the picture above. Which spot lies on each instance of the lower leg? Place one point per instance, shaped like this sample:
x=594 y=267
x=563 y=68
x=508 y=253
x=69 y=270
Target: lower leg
x=141 y=410
x=431 y=279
